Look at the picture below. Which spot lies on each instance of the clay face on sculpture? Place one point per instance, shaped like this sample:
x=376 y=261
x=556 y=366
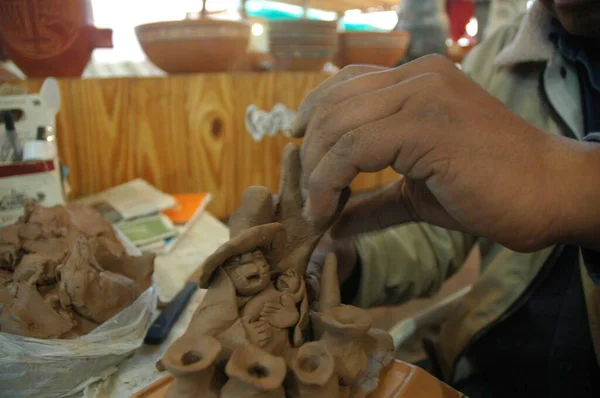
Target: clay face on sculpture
x=257 y=307
x=249 y=273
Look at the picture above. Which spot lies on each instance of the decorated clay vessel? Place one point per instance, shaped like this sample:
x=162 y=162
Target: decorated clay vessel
x=192 y=361
x=344 y=326
x=50 y=37
x=200 y=45
x=253 y=372
x=314 y=373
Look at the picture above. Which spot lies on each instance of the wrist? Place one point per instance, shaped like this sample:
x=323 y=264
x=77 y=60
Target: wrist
x=577 y=206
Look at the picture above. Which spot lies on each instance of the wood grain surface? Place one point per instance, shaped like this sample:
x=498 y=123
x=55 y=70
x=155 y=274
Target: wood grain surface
x=182 y=133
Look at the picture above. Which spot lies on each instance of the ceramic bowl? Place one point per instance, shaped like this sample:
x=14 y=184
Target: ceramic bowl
x=302 y=45
x=188 y=46
x=302 y=25
x=375 y=48
x=302 y=57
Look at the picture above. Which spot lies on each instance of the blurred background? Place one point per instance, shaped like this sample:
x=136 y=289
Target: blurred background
x=406 y=29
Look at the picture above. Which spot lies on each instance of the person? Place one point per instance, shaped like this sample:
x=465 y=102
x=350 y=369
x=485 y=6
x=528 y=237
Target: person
x=501 y=154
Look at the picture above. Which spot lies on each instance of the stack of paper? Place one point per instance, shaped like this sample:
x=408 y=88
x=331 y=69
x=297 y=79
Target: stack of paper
x=153 y=220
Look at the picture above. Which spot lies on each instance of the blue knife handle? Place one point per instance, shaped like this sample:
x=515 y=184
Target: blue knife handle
x=160 y=328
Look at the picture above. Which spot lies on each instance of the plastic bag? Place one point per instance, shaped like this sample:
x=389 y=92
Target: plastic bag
x=32 y=367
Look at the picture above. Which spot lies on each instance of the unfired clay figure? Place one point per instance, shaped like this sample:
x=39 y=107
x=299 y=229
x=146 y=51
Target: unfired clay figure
x=257 y=307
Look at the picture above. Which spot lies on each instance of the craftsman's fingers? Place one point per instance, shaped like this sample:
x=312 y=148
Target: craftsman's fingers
x=359 y=79
x=331 y=122
x=307 y=107
x=290 y=196
x=393 y=141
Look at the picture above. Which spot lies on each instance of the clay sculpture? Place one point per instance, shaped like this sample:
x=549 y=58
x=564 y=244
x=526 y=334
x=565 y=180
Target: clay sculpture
x=63 y=272
x=274 y=339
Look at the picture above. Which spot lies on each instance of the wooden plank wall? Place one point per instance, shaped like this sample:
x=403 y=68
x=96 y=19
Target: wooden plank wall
x=182 y=133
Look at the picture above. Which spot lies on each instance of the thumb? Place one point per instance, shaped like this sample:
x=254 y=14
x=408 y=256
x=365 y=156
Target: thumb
x=378 y=210
x=401 y=202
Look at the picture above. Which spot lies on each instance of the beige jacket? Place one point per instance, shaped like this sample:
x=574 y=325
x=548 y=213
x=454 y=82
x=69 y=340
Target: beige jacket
x=519 y=66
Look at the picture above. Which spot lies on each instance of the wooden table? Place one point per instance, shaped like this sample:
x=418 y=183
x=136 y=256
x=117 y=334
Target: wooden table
x=181 y=133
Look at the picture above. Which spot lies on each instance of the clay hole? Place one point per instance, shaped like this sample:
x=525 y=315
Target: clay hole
x=191 y=357
x=258 y=371
x=253 y=277
x=308 y=364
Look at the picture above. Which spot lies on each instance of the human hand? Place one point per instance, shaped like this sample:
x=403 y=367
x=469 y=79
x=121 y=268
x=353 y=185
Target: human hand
x=467 y=162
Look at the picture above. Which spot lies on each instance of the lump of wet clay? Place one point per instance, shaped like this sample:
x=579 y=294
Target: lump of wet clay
x=55 y=229
x=10 y=245
x=5 y=276
x=28 y=314
x=63 y=272
x=90 y=222
x=38 y=268
x=95 y=294
x=138 y=268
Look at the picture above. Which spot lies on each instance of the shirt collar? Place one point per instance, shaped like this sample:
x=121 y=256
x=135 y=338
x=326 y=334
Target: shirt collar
x=532 y=43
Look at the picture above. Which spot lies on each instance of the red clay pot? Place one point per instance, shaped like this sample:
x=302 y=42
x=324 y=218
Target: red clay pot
x=50 y=37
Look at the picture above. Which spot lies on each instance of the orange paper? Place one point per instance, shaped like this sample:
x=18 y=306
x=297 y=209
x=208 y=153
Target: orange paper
x=188 y=207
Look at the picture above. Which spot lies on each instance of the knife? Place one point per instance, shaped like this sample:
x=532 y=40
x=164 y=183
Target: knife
x=162 y=325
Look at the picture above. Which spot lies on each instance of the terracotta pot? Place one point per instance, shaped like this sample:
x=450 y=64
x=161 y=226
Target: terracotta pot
x=189 y=46
x=302 y=25
x=374 y=48
x=343 y=329
x=192 y=361
x=254 y=373
x=50 y=37
x=398 y=380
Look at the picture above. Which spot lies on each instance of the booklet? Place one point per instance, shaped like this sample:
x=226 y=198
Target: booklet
x=127 y=201
x=184 y=215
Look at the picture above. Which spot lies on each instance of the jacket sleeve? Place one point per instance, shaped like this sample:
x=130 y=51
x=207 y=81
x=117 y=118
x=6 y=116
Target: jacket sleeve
x=407 y=262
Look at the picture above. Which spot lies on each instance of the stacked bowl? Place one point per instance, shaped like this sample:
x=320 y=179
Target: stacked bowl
x=202 y=45
x=302 y=45
x=374 y=48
